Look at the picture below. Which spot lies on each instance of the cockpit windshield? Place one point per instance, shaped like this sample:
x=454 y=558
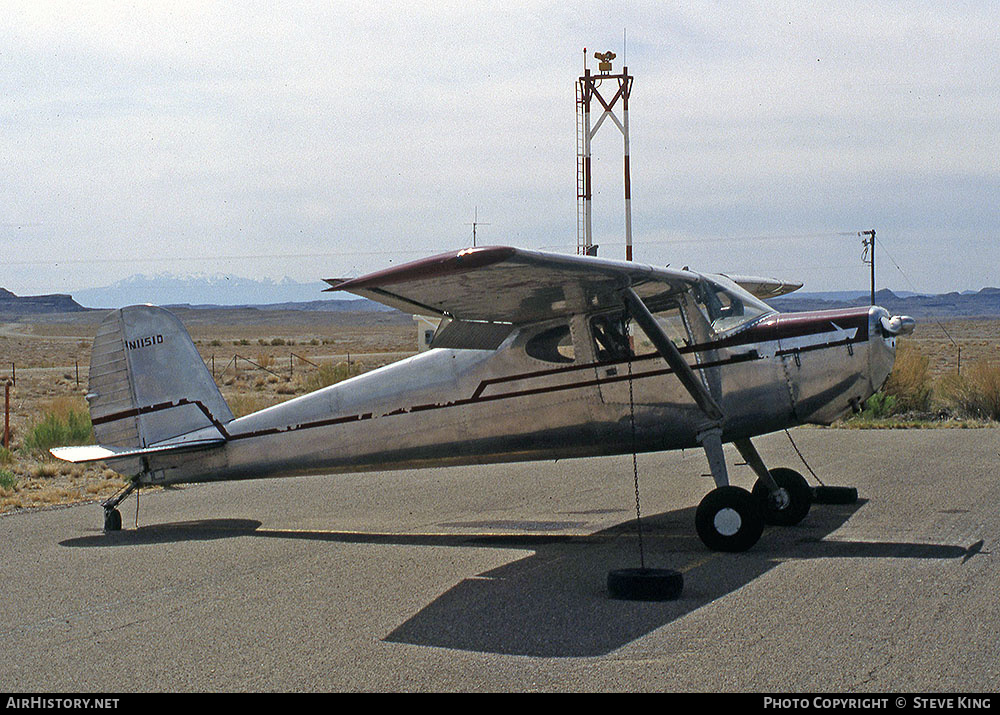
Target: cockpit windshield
x=726 y=306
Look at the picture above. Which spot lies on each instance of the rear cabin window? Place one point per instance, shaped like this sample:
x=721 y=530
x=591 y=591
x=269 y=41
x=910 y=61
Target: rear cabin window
x=552 y=345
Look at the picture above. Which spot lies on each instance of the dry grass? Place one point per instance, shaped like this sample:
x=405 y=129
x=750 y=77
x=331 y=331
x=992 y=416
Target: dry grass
x=910 y=381
x=941 y=340
x=916 y=396
x=975 y=392
x=49 y=351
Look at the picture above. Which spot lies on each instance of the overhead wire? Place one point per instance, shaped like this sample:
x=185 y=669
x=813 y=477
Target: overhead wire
x=881 y=245
x=232 y=257
x=384 y=252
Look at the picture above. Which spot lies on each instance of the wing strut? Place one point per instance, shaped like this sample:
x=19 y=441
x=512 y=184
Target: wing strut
x=710 y=436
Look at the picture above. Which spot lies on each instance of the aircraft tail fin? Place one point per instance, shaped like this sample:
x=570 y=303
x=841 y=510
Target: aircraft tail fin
x=148 y=384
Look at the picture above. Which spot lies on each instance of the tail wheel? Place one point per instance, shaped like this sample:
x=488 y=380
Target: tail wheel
x=789 y=507
x=729 y=519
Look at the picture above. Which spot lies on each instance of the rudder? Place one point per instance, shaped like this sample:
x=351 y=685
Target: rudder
x=148 y=383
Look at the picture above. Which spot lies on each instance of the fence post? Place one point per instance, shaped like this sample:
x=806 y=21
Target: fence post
x=6 y=414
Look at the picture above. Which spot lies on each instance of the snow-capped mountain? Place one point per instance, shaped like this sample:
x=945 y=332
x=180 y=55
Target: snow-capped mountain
x=218 y=289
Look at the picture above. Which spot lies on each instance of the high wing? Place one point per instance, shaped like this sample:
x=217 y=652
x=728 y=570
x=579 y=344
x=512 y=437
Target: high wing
x=514 y=286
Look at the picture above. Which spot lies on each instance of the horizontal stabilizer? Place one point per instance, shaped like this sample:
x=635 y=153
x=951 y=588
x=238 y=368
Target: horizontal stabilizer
x=102 y=453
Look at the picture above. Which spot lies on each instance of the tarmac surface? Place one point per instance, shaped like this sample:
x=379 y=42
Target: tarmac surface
x=494 y=578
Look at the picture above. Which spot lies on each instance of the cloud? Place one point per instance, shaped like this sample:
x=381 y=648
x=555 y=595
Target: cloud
x=190 y=130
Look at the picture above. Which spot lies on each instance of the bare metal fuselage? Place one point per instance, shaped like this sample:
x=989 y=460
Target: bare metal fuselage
x=453 y=407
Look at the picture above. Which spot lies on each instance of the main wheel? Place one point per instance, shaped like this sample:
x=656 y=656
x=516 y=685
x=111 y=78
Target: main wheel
x=729 y=519
x=787 y=509
x=112 y=520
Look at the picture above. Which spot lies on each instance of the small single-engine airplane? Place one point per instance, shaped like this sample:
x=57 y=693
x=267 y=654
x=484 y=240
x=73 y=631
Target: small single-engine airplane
x=538 y=356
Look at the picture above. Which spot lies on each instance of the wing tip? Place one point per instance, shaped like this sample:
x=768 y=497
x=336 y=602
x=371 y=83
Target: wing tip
x=457 y=261
x=334 y=284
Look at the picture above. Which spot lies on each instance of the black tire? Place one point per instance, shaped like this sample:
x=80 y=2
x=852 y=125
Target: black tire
x=112 y=520
x=729 y=519
x=645 y=584
x=835 y=495
x=800 y=497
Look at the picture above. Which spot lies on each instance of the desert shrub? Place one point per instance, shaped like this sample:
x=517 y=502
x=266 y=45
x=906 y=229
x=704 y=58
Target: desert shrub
x=329 y=374
x=59 y=426
x=7 y=479
x=6 y=456
x=879 y=406
x=244 y=404
x=265 y=360
x=976 y=392
x=277 y=341
x=44 y=469
x=909 y=382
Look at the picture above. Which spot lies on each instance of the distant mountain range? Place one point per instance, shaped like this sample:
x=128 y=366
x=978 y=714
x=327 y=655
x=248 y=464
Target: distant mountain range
x=192 y=292
x=221 y=291
x=982 y=304
x=36 y=304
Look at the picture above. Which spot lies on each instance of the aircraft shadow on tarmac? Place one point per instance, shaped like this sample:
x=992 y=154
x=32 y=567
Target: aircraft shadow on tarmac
x=554 y=602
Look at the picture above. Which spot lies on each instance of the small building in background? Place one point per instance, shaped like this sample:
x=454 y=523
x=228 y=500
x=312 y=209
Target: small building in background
x=426 y=327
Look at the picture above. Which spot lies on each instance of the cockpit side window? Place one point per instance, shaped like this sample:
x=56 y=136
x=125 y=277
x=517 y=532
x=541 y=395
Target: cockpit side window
x=610 y=337
x=616 y=338
x=552 y=345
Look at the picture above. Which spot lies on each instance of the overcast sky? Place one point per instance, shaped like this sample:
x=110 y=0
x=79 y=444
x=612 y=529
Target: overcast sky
x=329 y=139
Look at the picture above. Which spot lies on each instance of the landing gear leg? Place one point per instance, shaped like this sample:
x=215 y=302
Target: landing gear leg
x=784 y=494
x=113 y=517
x=728 y=518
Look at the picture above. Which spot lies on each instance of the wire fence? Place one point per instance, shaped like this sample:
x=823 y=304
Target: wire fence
x=236 y=360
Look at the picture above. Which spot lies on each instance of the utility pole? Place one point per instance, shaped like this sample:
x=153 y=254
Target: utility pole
x=868 y=242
